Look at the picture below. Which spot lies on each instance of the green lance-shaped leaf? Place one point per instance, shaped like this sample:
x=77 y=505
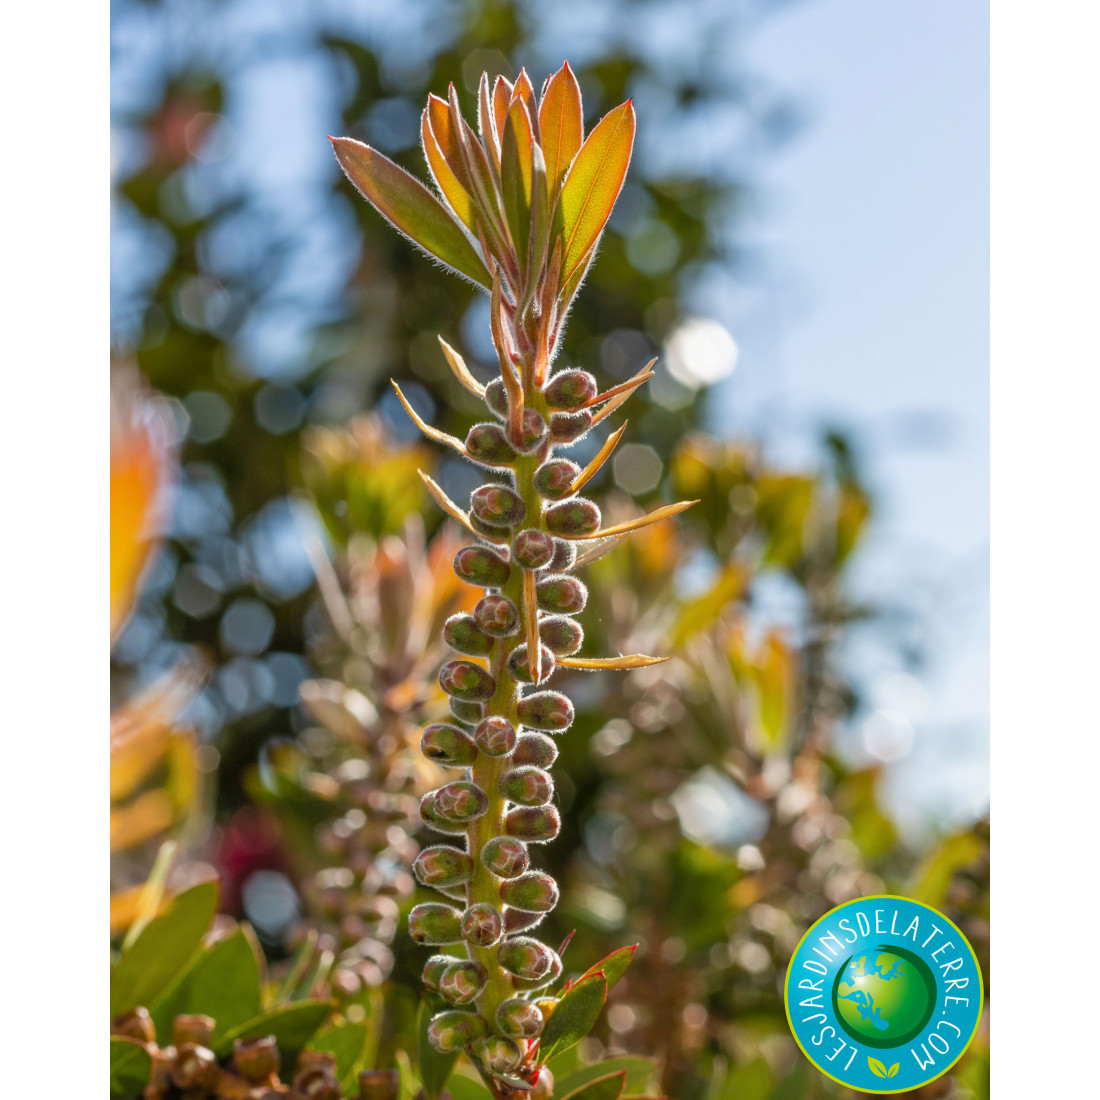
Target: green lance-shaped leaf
x=130 y=1069
x=593 y=185
x=515 y=176
x=613 y=967
x=561 y=125
x=292 y=1025
x=409 y=207
x=347 y=1044
x=574 y=1015
x=610 y=1087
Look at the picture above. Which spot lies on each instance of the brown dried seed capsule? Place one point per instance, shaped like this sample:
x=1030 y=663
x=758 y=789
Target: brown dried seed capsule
x=478 y=565
x=460 y=801
x=496 y=397
x=196 y=1065
x=505 y=856
x=433 y=970
x=526 y=958
x=519 y=668
x=256 y=1059
x=442 y=865
x=561 y=593
x=549 y=711
x=379 y=1084
x=534 y=892
x=455 y=1029
x=469 y=713
x=520 y=1018
x=533 y=824
x=554 y=479
x=448 y=745
x=482 y=925
x=566 y=428
x=536 y=749
x=573 y=518
x=462 y=981
x=193 y=1028
x=533 y=430
x=565 y=556
x=467 y=681
x=498 y=506
x=562 y=636
x=527 y=786
x=137 y=1024
x=497 y=616
x=569 y=389
x=497 y=1054
x=463 y=633
x=532 y=549
x=487 y=444
x=495 y=736
x=435 y=924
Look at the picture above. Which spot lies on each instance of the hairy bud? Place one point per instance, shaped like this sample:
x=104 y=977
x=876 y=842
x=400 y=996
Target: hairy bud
x=573 y=518
x=467 y=712
x=551 y=975
x=520 y=920
x=443 y=866
x=536 y=749
x=453 y=1030
x=488 y=445
x=560 y=635
x=463 y=633
x=566 y=428
x=505 y=856
x=554 y=479
x=561 y=593
x=497 y=1054
x=433 y=970
x=520 y=669
x=520 y=1018
x=467 y=681
x=478 y=565
x=435 y=924
x=495 y=736
x=569 y=389
x=532 y=549
x=527 y=786
x=546 y=710
x=533 y=430
x=448 y=745
x=534 y=892
x=526 y=958
x=565 y=556
x=430 y=815
x=462 y=981
x=497 y=615
x=482 y=925
x=498 y=506
x=460 y=801
x=496 y=397
x=533 y=824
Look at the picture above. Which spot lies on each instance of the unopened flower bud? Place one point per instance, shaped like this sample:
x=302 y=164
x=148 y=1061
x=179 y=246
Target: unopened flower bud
x=430 y=815
x=495 y=736
x=532 y=549
x=536 y=749
x=443 y=866
x=554 y=479
x=462 y=632
x=520 y=669
x=534 y=892
x=467 y=681
x=497 y=616
x=481 y=566
x=462 y=981
x=561 y=593
x=519 y=920
x=573 y=518
x=526 y=958
x=552 y=975
x=533 y=430
x=497 y=1054
x=435 y=924
x=460 y=801
x=546 y=710
x=562 y=636
x=470 y=713
x=455 y=1029
x=193 y=1028
x=565 y=556
x=498 y=506
x=566 y=428
x=520 y=1018
x=379 y=1084
x=527 y=786
x=433 y=970
x=256 y=1059
x=569 y=389
x=482 y=925
x=505 y=856
x=448 y=745
x=496 y=397
x=533 y=824
x=488 y=445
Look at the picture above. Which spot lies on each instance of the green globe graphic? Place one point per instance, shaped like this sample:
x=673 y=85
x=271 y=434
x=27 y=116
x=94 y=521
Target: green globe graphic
x=883 y=996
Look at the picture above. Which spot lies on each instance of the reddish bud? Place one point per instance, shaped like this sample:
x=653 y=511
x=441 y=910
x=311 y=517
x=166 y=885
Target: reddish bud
x=505 y=856
x=496 y=397
x=573 y=518
x=519 y=920
x=527 y=786
x=467 y=681
x=443 y=866
x=546 y=710
x=560 y=635
x=536 y=749
x=454 y=1029
x=534 y=892
x=532 y=549
x=497 y=1054
x=569 y=389
x=565 y=556
x=462 y=981
x=566 y=428
x=551 y=975
x=554 y=479
x=533 y=824
x=518 y=664
x=520 y=1018
x=488 y=445
x=533 y=430
x=497 y=616
x=526 y=958
x=462 y=632
x=435 y=924
x=482 y=925
x=561 y=593
x=448 y=745
x=481 y=566
x=460 y=801
x=498 y=506
x=467 y=712
x=433 y=971
x=495 y=736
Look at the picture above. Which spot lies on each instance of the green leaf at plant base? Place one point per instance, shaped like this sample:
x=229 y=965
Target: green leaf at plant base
x=573 y=1016
x=292 y=1025
x=161 y=952
x=130 y=1068
x=613 y=967
x=435 y=1068
x=348 y=1043
x=610 y=1087
x=642 y=1074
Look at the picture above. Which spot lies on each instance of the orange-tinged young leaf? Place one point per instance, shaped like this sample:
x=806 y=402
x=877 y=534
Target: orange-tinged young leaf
x=602 y=455
x=502 y=96
x=442 y=126
x=594 y=664
x=461 y=371
x=524 y=91
x=593 y=184
x=515 y=171
x=486 y=120
x=426 y=428
x=458 y=198
x=561 y=125
x=409 y=207
x=453 y=509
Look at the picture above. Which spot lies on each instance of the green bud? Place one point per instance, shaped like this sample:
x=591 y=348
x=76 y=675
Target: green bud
x=430 y=815
x=467 y=712
x=487 y=444
x=454 y=1029
x=534 y=892
x=496 y=397
x=498 y=506
x=532 y=549
x=554 y=479
x=435 y=924
x=481 y=566
x=460 y=801
x=462 y=981
x=443 y=866
x=566 y=428
x=497 y=1054
x=565 y=556
x=461 y=632
x=561 y=593
x=533 y=430
x=518 y=665
x=467 y=681
x=526 y=958
x=482 y=925
x=550 y=976
x=505 y=856
x=497 y=616
x=527 y=786
x=448 y=745
x=562 y=636
x=573 y=518
x=569 y=389
x=533 y=824
x=433 y=970
x=536 y=749
x=519 y=920
x=495 y=736
x=520 y=1018
x=546 y=710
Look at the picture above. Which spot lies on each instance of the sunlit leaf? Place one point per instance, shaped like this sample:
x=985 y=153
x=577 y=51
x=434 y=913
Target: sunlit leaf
x=347 y=1043
x=445 y=179
x=515 y=171
x=610 y=1087
x=561 y=125
x=292 y=1025
x=642 y=1074
x=613 y=966
x=574 y=1015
